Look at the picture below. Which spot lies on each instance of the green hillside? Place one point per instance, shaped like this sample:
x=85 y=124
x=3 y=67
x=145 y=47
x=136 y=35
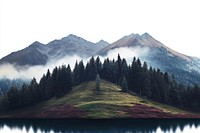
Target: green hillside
x=84 y=102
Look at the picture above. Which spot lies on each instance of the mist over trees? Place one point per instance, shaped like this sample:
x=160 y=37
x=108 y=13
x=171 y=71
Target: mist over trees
x=136 y=78
x=6 y=84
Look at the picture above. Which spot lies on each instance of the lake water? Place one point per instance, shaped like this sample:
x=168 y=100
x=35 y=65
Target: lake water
x=100 y=126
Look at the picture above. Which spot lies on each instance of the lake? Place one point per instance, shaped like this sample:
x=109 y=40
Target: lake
x=100 y=126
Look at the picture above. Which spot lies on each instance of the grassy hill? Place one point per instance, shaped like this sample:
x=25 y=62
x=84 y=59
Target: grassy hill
x=84 y=102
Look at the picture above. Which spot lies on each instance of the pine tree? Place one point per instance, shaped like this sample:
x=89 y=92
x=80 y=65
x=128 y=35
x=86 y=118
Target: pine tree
x=64 y=78
x=48 y=86
x=81 y=72
x=108 y=70
x=54 y=80
x=118 y=69
x=98 y=65
x=136 y=75
x=76 y=77
x=154 y=85
x=91 y=70
x=124 y=69
x=61 y=77
x=12 y=98
x=33 y=87
x=25 y=95
x=124 y=85
x=68 y=81
x=132 y=77
x=145 y=80
x=97 y=83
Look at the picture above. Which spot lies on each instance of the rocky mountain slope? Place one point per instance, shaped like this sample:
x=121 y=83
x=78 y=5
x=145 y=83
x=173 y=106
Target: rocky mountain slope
x=39 y=54
x=185 y=68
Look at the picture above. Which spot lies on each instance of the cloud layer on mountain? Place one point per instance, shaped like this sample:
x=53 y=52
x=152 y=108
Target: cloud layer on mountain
x=128 y=53
x=67 y=50
x=28 y=72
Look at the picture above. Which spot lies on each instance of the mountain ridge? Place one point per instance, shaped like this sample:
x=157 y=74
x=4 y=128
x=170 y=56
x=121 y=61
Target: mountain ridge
x=55 y=49
x=185 y=68
x=139 y=40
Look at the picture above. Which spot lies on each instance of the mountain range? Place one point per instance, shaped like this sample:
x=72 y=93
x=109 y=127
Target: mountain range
x=186 y=69
x=39 y=54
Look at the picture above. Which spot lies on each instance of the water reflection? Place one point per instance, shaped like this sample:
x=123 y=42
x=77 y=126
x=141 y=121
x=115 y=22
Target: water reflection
x=100 y=126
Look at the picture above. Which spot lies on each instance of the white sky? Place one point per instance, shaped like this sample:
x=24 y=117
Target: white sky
x=176 y=23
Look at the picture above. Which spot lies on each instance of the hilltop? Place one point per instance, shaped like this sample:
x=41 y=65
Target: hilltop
x=84 y=102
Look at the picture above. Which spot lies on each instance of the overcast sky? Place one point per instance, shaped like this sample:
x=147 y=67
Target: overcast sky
x=176 y=23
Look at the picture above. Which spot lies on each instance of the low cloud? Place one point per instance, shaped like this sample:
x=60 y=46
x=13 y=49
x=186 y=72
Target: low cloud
x=128 y=53
x=28 y=72
x=11 y=71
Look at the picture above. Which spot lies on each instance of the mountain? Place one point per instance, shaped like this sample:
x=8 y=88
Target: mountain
x=144 y=40
x=186 y=69
x=39 y=54
x=102 y=43
x=32 y=55
x=71 y=45
x=84 y=102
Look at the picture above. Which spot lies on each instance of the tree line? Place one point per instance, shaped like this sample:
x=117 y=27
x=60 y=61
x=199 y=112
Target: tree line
x=136 y=78
x=55 y=84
